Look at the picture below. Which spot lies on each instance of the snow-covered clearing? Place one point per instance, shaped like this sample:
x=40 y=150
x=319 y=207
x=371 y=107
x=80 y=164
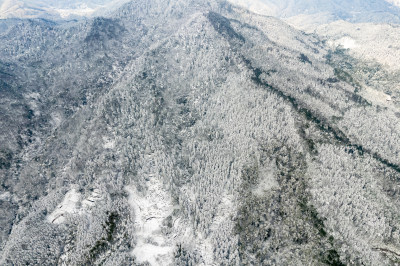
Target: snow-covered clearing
x=73 y=203
x=68 y=205
x=150 y=211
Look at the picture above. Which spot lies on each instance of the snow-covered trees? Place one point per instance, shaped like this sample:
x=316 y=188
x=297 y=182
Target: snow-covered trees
x=169 y=134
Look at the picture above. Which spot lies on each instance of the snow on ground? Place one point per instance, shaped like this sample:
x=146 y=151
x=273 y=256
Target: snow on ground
x=150 y=211
x=109 y=143
x=56 y=119
x=267 y=180
x=376 y=97
x=5 y=196
x=345 y=42
x=68 y=205
x=154 y=204
x=91 y=200
x=73 y=203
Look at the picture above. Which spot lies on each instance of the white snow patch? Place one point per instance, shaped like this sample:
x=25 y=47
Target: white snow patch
x=33 y=98
x=91 y=200
x=108 y=143
x=32 y=95
x=153 y=254
x=346 y=42
x=150 y=210
x=74 y=203
x=376 y=97
x=343 y=42
x=267 y=180
x=68 y=205
x=5 y=196
x=56 y=119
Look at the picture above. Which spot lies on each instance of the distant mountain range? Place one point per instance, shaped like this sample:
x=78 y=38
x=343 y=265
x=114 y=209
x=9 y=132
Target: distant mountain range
x=326 y=11
x=319 y=10
x=56 y=10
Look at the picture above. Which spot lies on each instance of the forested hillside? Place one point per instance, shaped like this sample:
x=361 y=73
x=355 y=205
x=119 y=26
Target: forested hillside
x=190 y=133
